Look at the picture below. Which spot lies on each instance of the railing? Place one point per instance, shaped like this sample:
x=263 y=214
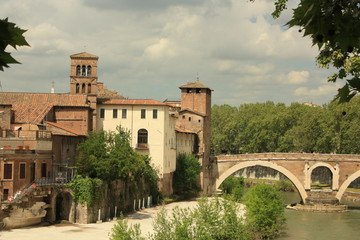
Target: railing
x=35 y=134
x=37 y=183
x=142 y=146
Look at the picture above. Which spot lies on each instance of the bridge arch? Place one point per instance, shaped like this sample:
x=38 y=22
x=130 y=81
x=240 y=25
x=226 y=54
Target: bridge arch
x=346 y=184
x=283 y=170
x=334 y=171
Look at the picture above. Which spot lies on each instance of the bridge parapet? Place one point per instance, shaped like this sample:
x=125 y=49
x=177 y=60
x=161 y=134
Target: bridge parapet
x=288 y=156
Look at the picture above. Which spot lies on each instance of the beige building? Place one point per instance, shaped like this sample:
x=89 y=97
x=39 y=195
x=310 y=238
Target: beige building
x=151 y=127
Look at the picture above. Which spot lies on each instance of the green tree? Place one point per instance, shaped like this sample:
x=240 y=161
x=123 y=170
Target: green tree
x=107 y=155
x=186 y=175
x=264 y=211
x=10 y=35
x=122 y=231
x=233 y=186
x=333 y=25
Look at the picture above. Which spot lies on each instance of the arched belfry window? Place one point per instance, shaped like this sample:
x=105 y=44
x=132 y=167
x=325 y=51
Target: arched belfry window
x=89 y=88
x=83 y=88
x=78 y=70
x=77 y=88
x=83 y=70
x=142 y=138
x=88 y=71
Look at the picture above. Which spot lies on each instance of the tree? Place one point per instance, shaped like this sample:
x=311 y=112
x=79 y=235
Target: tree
x=107 y=155
x=11 y=35
x=186 y=175
x=233 y=186
x=333 y=25
x=264 y=211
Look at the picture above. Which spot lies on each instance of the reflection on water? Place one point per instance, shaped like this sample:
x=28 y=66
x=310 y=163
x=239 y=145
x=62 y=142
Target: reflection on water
x=320 y=226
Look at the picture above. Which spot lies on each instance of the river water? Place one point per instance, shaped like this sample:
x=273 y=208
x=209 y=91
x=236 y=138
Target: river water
x=321 y=226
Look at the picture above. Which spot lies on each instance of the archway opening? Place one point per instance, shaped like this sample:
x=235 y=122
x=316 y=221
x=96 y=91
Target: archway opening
x=351 y=196
x=321 y=178
x=252 y=175
x=63 y=206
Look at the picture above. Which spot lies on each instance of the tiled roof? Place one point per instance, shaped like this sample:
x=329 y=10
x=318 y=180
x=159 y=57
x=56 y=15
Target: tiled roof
x=191 y=111
x=33 y=107
x=133 y=102
x=178 y=129
x=196 y=84
x=71 y=131
x=84 y=55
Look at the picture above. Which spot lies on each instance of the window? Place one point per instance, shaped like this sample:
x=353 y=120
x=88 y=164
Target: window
x=198 y=90
x=115 y=113
x=188 y=90
x=189 y=119
x=43 y=170
x=88 y=70
x=78 y=70
x=89 y=88
x=83 y=88
x=7 y=171
x=102 y=113
x=83 y=70
x=77 y=88
x=155 y=113
x=124 y=113
x=142 y=138
x=5 y=194
x=143 y=113
x=22 y=170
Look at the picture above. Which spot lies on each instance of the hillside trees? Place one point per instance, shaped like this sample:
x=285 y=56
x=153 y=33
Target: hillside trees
x=333 y=25
x=269 y=127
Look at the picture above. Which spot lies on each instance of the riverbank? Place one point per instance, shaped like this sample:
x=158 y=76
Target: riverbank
x=93 y=231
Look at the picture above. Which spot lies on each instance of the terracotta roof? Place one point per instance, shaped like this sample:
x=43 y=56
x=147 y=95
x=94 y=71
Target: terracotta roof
x=133 y=102
x=84 y=55
x=196 y=84
x=191 y=111
x=33 y=107
x=178 y=129
x=71 y=131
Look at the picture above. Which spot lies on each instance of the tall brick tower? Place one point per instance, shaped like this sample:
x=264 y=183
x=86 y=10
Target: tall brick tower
x=83 y=79
x=83 y=73
x=195 y=115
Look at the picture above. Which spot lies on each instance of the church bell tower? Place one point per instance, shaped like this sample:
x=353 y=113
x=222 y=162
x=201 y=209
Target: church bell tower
x=83 y=74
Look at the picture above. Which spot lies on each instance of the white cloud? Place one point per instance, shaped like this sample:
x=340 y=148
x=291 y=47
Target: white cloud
x=322 y=90
x=294 y=77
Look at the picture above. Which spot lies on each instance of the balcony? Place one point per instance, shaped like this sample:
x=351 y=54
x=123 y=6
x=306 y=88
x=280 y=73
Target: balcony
x=142 y=146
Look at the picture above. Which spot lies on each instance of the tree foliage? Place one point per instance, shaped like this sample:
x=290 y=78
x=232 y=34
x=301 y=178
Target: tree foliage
x=233 y=186
x=210 y=219
x=107 y=155
x=10 y=35
x=122 y=231
x=186 y=175
x=264 y=211
x=333 y=25
x=269 y=127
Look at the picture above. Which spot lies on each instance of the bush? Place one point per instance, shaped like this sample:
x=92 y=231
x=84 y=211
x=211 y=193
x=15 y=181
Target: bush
x=233 y=186
x=264 y=211
x=186 y=175
x=121 y=231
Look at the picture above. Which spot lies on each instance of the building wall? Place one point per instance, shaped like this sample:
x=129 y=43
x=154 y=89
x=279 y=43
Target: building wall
x=33 y=161
x=161 y=131
x=74 y=118
x=185 y=143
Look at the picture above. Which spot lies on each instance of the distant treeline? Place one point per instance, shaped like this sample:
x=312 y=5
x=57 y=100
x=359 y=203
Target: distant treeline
x=270 y=127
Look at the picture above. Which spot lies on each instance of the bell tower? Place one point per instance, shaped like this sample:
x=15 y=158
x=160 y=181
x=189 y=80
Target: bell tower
x=83 y=74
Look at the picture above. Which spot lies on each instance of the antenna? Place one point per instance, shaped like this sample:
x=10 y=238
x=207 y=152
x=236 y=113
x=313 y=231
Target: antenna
x=197 y=77
x=53 y=87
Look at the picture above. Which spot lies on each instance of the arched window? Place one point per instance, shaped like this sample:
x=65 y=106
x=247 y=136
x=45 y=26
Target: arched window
x=142 y=138
x=78 y=70
x=89 y=70
x=77 y=88
x=83 y=71
x=83 y=88
x=89 y=88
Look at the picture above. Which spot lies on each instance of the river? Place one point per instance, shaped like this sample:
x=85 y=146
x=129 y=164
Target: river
x=320 y=226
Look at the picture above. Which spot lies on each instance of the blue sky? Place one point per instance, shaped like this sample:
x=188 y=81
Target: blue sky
x=147 y=49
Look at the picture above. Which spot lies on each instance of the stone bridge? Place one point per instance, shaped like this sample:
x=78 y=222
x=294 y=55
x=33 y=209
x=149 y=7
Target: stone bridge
x=297 y=167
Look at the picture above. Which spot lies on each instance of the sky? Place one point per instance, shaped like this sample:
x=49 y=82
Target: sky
x=148 y=48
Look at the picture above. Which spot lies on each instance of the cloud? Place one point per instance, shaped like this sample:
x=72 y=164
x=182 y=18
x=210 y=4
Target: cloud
x=322 y=90
x=294 y=77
